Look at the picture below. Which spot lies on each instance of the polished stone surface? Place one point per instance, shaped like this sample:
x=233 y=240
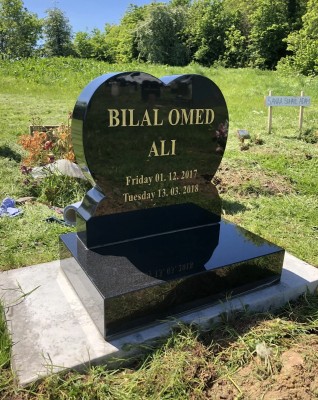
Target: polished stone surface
x=52 y=331
x=132 y=283
x=148 y=143
x=150 y=242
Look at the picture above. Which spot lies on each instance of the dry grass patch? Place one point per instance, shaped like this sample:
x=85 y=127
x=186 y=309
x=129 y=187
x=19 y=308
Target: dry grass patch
x=253 y=181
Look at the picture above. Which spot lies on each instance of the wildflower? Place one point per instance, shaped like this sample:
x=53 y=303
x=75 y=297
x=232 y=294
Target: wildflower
x=48 y=145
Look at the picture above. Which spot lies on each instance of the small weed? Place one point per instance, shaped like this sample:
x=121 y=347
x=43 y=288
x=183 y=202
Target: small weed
x=5 y=346
x=54 y=188
x=258 y=140
x=309 y=136
x=244 y=146
x=60 y=190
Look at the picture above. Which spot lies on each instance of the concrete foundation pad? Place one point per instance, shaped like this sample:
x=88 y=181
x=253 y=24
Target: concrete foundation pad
x=51 y=330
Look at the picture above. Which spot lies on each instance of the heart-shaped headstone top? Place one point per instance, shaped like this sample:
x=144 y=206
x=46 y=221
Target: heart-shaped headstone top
x=150 y=142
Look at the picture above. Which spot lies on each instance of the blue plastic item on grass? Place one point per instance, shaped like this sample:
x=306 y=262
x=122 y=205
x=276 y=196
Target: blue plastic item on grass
x=8 y=208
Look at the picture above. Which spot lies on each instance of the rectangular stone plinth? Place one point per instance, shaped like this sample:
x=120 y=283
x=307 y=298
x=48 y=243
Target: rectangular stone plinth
x=131 y=284
x=52 y=331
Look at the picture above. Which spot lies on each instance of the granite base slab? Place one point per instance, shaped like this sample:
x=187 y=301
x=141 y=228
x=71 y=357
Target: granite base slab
x=51 y=330
x=129 y=284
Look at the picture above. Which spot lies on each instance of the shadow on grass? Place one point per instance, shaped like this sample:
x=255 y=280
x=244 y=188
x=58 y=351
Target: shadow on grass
x=7 y=152
x=291 y=137
x=232 y=207
x=300 y=316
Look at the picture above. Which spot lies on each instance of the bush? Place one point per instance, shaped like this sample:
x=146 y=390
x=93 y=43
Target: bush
x=51 y=186
x=44 y=147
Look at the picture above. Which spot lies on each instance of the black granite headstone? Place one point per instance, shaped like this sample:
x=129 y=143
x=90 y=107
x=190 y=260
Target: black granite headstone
x=150 y=241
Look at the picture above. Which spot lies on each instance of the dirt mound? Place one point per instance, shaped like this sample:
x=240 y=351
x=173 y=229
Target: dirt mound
x=293 y=375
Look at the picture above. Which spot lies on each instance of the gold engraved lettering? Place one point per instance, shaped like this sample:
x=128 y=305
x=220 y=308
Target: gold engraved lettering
x=163 y=142
x=186 y=119
x=193 y=116
x=127 y=117
x=138 y=180
x=155 y=117
x=198 y=116
x=131 y=118
x=153 y=150
x=163 y=150
x=139 y=196
x=124 y=119
x=174 y=117
x=209 y=116
x=113 y=117
x=173 y=147
x=146 y=119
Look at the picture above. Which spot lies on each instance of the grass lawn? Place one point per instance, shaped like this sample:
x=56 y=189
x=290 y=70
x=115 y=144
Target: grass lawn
x=269 y=187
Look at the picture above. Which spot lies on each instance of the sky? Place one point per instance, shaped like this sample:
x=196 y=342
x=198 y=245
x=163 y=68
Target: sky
x=85 y=15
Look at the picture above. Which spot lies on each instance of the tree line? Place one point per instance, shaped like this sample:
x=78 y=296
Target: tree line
x=265 y=34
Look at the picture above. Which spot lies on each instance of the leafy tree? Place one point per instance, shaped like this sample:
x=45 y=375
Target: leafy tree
x=83 y=46
x=180 y=3
x=263 y=25
x=57 y=33
x=296 y=9
x=101 y=49
x=159 y=36
x=126 y=41
x=304 y=44
x=117 y=43
x=270 y=25
x=235 y=54
x=94 y=44
x=243 y=6
x=19 y=30
x=206 y=31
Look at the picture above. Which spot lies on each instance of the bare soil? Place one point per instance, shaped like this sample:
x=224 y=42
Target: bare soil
x=292 y=375
x=250 y=181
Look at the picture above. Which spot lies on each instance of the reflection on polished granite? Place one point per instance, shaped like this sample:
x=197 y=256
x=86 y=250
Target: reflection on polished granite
x=132 y=283
x=150 y=242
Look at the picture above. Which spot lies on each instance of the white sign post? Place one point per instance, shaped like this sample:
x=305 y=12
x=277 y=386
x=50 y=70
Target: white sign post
x=286 y=101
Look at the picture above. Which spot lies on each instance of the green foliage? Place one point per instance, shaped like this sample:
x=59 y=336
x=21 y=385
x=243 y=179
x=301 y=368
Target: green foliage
x=100 y=49
x=235 y=48
x=126 y=49
x=206 y=30
x=6 y=377
x=309 y=136
x=101 y=45
x=189 y=364
x=83 y=45
x=270 y=25
x=112 y=42
x=117 y=43
x=49 y=87
x=19 y=30
x=56 y=189
x=58 y=34
x=159 y=36
x=226 y=32
x=303 y=44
